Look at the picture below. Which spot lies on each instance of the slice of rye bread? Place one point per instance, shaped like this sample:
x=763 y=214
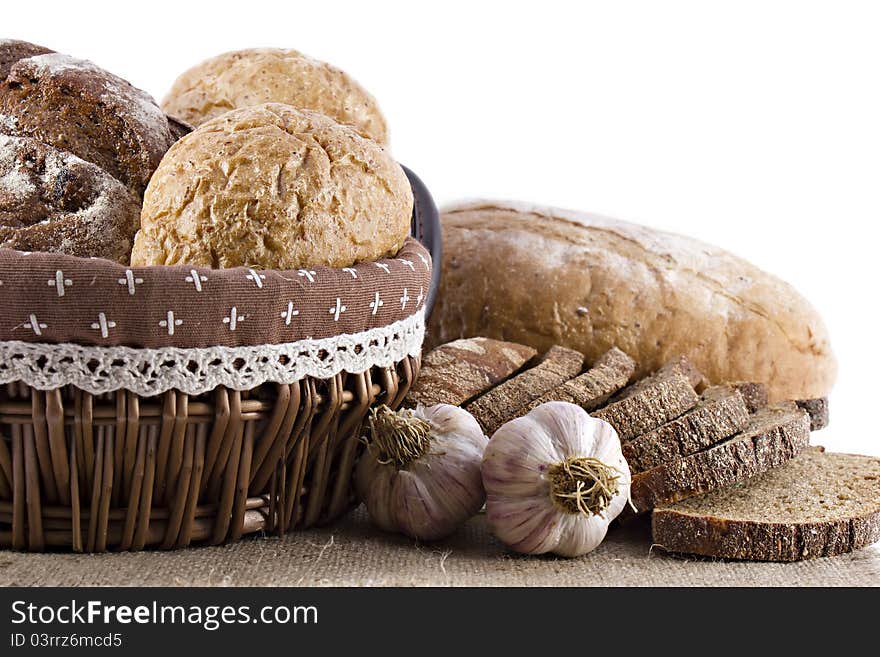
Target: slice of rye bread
x=774 y=436
x=720 y=413
x=590 y=390
x=650 y=407
x=680 y=366
x=818 y=410
x=501 y=403
x=456 y=372
x=816 y=505
x=754 y=394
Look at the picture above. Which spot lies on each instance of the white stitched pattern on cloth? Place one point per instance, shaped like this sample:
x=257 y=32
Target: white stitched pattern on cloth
x=149 y=372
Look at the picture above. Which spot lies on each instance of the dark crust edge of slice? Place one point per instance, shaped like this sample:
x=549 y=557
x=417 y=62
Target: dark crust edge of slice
x=721 y=413
x=649 y=408
x=708 y=536
x=818 y=411
x=779 y=443
x=610 y=373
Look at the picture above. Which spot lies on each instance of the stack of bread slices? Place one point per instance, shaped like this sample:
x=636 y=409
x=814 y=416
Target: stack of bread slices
x=722 y=472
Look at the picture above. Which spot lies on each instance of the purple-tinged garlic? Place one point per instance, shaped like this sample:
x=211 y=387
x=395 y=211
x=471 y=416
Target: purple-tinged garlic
x=554 y=479
x=420 y=474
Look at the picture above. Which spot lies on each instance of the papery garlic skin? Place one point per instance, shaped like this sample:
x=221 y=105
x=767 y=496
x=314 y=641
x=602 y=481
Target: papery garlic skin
x=520 y=508
x=431 y=496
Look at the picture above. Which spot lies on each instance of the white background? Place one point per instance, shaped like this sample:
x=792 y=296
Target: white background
x=752 y=125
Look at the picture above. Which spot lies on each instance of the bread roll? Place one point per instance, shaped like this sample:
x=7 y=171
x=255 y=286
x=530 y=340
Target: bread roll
x=274 y=187
x=272 y=75
x=542 y=276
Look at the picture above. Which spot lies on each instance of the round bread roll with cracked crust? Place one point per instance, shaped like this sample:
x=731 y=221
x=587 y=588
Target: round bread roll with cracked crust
x=273 y=75
x=273 y=187
x=543 y=276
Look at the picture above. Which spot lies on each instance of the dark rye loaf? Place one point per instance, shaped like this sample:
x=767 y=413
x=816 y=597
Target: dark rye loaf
x=11 y=51
x=75 y=106
x=651 y=406
x=816 y=505
x=773 y=436
x=592 y=388
x=720 y=413
x=502 y=402
x=456 y=372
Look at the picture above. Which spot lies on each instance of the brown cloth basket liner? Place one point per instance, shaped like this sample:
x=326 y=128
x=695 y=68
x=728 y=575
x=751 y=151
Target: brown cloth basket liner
x=50 y=297
x=123 y=471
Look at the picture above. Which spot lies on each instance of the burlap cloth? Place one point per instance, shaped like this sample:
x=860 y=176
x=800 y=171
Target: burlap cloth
x=351 y=553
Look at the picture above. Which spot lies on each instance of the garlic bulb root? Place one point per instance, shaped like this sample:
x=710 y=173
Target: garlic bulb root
x=397 y=438
x=583 y=484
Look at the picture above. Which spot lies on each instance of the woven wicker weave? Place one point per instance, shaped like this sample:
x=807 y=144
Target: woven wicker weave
x=122 y=472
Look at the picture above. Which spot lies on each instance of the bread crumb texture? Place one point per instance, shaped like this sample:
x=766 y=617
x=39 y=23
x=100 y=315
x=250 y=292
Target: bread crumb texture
x=274 y=187
x=818 y=504
x=262 y=75
x=525 y=274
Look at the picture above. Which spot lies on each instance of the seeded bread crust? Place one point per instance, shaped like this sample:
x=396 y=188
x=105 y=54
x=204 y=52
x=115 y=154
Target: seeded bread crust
x=592 y=388
x=503 y=402
x=652 y=406
x=773 y=436
x=456 y=372
x=273 y=187
x=720 y=413
x=817 y=505
x=78 y=107
x=271 y=75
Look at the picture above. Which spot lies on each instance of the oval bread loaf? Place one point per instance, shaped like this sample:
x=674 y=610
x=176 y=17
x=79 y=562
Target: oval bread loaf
x=542 y=276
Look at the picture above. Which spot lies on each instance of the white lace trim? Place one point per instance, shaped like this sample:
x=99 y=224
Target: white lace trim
x=194 y=371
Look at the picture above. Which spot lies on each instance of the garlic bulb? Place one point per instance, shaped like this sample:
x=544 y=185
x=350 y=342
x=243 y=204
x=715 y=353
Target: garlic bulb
x=420 y=474
x=555 y=479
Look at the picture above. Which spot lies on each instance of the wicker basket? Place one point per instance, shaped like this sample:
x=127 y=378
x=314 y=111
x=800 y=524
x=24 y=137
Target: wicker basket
x=125 y=471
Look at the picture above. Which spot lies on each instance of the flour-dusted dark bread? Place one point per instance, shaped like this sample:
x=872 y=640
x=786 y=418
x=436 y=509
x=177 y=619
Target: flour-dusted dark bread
x=456 y=372
x=650 y=407
x=550 y=276
x=12 y=50
x=720 y=413
x=78 y=107
x=774 y=436
x=503 y=402
x=754 y=394
x=592 y=389
x=818 y=411
x=51 y=200
x=819 y=504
